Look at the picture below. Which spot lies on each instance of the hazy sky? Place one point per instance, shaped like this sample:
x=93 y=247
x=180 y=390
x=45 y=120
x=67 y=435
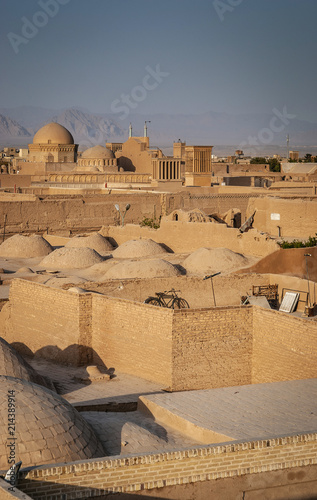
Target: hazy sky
x=221 y=55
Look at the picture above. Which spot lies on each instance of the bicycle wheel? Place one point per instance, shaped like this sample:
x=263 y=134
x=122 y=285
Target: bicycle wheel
x=153 y=301
x=180 y=303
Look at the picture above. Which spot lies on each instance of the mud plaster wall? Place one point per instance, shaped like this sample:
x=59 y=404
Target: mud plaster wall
x=74 y=213
x=89 y=212
x=291 y=283
x=186 y=237
x=298 y=218
x=9 y=181
x=209 y=203
x=228 y=288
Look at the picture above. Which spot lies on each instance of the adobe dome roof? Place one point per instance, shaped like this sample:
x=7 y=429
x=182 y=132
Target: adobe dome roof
x=72 y=258
x=21 y=246
x=47 y=428
x=98 y=152
x=94 y=240
x=55 y=133
x=138 y=248
x=12 y=364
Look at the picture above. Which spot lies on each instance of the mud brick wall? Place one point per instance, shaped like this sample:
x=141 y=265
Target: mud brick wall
x=212 y=348
x=284 y=347
x=181 y=349
x=183 y=237
x=92 y=211
x=298 y=217
x=133 y=337
x=216 y=203
x=8 y=492
x=97 y=478
x=8 y=180
x=75 y=213
x=53 y=321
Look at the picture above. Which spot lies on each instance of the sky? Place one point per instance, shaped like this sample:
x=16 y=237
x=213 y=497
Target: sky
x=160 y=56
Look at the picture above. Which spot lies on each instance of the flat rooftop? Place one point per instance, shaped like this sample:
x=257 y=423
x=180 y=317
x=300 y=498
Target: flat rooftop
x=246 y=412
x=132 y=415
x=177 y=421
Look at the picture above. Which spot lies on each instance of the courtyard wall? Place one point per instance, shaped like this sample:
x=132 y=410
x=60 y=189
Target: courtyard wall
x=284 y=347
x=133 y=337
x=49 y=322
x=182 y=350
x=212 y=347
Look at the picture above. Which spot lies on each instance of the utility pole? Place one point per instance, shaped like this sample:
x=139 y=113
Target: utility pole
x=210 y=276
x=307 y=255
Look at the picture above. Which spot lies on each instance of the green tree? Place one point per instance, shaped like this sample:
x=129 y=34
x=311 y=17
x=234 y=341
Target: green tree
x=307 y=158
x=258 y=160
x=275 y=165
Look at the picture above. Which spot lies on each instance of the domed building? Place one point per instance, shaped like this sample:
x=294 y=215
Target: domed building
x=53 y=143
x=98 y=157
x=12 y=364
x=47 y=429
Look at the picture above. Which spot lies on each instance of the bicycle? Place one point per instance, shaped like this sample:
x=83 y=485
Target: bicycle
x=168 y=299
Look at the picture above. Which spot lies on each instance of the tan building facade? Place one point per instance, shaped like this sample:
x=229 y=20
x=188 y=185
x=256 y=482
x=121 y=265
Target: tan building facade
x=99 y=158
x=198 y=159
x=136 y=155
x=166 y=168
x=53 y=143
x=294 y=155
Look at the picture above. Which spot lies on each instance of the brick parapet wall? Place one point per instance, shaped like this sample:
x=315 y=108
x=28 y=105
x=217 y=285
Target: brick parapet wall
x=85 y=329
x=46 y=319
x=133 y=337
x=212 y=347
x=134 y=473
x=284 y=347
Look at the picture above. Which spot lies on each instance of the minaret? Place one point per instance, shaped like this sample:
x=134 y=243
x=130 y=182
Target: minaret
x=130 y=130
x=145 y=127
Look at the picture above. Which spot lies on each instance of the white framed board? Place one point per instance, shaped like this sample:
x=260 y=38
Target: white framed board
x=289 y=302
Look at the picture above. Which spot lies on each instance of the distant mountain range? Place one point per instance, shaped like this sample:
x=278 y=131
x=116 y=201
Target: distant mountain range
x=254 y=133
x=87 y=129
x=11 y=128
